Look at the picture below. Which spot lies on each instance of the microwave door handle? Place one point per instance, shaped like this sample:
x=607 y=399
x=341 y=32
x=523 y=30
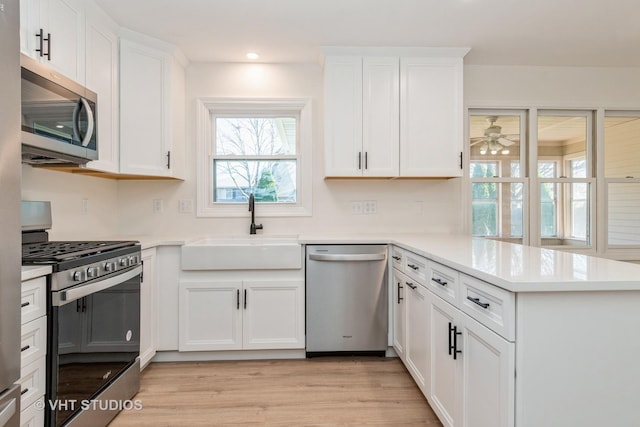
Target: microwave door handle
x=76 y=119
x=84 y=140
x=90 y=124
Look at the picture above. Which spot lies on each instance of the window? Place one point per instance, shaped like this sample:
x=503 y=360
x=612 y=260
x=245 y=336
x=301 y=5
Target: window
x=255 y=155
x=259 y=147
x=497 y=187
x=539 y=193
x=622 y=179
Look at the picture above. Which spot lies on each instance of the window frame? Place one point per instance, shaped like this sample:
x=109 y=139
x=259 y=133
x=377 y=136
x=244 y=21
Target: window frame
x=206 y=111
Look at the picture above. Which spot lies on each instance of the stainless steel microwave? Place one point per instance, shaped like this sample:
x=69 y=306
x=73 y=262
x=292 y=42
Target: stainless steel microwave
x=58 y=117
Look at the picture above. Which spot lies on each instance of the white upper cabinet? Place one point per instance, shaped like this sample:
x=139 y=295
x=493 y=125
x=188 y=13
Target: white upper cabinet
x=151 y=108
x=361 y=116
x=388 y=114
x=102 y=78
x=53 y=32
x=431 y=117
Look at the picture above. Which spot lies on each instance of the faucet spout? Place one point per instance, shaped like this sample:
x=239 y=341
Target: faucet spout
x=252 y=208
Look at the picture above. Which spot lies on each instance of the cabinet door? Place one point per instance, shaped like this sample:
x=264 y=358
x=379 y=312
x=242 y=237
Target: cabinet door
x=148 y=305
x=418 y=335
x=64 y=20
x=343 y=116
x=431 y=117
x=488 y=377
x=445 y=370
x=273 y=315
x=29 y=26
x=210 y=316
x=102 y=78
x=144 y=121
x=380 y=116
x=399 y=317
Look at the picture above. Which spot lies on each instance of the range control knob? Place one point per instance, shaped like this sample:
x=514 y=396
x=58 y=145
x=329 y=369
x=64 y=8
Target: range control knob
x=124 y=262
x=92 y=272
x=77 y=276
x=132 y=260
x=110 y=266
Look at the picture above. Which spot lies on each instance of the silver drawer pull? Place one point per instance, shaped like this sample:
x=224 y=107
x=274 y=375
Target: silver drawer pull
x=440 y=282
x=476 y=301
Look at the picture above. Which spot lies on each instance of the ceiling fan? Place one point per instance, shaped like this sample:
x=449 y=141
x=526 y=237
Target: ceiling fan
x=494 y=140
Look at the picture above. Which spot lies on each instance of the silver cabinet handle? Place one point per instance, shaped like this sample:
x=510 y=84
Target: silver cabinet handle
x=347 y=257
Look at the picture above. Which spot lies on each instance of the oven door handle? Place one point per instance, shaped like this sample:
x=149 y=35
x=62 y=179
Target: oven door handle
x=69 y=295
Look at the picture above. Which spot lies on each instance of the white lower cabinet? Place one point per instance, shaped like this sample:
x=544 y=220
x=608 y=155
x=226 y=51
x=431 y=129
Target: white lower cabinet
x=445 y=370
x=148 y=308
x=399 y=317
x=488 y=377
x=465 y=369
x=472 y=370
x=417 y=344
x=241 y=315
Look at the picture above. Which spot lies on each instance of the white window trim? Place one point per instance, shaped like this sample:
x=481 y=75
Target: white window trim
x=204 y=108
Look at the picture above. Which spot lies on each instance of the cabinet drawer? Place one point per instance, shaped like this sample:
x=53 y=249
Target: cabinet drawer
x=34 y=341
x=32 y=382
x=33 y=416
x=415 y=267
x=33 y=299
x=490 y=305
x=397 y=257
x=444 y=282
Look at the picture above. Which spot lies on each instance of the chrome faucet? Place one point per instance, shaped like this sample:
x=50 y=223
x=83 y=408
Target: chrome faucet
x=252 y=209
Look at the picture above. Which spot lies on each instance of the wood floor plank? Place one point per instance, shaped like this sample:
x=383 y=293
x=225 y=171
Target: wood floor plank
x=308 y=392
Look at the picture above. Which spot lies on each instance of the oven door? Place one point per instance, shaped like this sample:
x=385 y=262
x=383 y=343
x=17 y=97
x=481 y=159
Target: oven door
x=94 y=336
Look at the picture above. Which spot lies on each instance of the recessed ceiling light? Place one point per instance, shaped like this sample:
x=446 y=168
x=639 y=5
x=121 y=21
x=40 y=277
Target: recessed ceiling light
x=252 y=56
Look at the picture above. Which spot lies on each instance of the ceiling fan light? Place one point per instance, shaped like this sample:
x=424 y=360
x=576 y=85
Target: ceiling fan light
x=505 y=151
x=494 y=152
x=483 y=151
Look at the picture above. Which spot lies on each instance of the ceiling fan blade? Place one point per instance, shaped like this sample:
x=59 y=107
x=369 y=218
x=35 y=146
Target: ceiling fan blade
x=478 y=140
x=505 y=142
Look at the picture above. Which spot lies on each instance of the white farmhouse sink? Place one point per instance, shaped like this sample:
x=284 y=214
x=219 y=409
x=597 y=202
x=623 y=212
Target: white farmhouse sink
x=243 y=253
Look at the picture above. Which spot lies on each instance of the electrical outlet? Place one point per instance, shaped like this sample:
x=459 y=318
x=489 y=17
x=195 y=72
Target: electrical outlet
x=185 y=206
x=370 y=207
x=158 y=206
x=84 y=207
x=356 y=207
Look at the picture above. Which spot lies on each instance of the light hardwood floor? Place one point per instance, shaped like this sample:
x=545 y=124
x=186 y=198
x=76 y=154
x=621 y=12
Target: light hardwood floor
x=309 y=392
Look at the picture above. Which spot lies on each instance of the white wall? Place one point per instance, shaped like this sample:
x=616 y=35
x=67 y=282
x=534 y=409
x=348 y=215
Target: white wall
x=66 y=191
x=403 y=205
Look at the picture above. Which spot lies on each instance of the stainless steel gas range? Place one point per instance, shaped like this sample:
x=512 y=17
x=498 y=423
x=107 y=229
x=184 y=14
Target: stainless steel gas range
x=93 y=331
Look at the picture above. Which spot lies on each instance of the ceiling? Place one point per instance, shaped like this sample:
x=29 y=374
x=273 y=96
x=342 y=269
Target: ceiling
x=499 y=32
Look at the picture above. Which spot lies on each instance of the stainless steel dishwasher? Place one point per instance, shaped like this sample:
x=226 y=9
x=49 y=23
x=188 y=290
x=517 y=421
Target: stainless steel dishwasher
x=346 y=292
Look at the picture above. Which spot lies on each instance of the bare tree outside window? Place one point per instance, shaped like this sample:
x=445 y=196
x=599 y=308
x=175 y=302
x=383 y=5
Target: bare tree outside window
x=255 y=155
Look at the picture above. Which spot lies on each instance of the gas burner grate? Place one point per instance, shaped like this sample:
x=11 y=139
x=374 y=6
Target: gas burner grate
x=66 y=250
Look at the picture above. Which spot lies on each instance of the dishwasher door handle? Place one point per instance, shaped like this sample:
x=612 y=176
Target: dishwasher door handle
x=347 y=257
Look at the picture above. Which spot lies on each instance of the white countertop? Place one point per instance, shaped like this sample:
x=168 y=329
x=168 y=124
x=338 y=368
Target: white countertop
x=33 y=271
x=519 y=268
x=514 y=267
